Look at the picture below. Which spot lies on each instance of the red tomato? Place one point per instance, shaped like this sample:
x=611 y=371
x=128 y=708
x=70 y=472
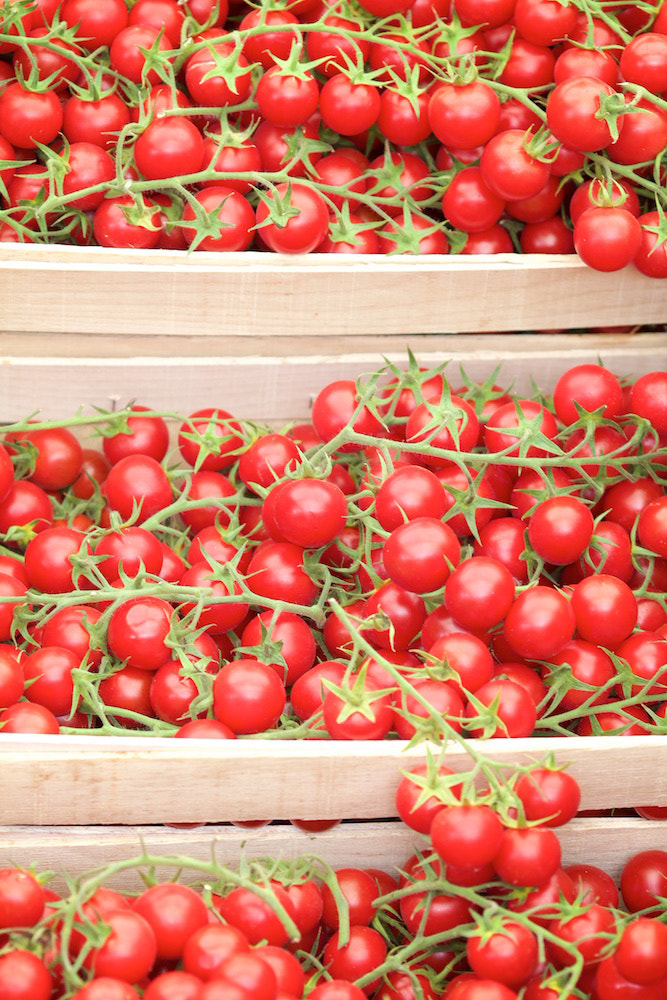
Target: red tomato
x=605 y=610
x=247 y=912
x=24 y=976
x=528 y=856
x=607 y=238
x=138 y=630
x=560 y=529
x=50 y=559
x=29 y=117
x=479 y=593
x=221 y=221
x=510 y=956
x=292 y=219
x=551 y=797
x=248 y=696
x=48 y=676
x=27 y=717
x=540 y=623
x=420 y=555
x=464 y=117
x=511 y=708
x=95 y=23
x=174 y=912
x=572 y=107
x=129 y=951
x=210 y=439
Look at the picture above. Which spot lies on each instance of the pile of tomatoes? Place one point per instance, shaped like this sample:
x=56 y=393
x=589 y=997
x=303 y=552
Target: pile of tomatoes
x=428 y=558
x=486 y=908
x=375 y=127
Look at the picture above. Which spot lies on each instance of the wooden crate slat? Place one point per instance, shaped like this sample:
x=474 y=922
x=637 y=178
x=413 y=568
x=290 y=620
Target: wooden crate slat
x=276 y=388
x=106 y=780
x=607 y=843
x=170 y=293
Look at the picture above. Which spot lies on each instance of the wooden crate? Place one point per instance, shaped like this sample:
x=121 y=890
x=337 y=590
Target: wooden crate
x=606 y=843
x=260 y=335
x=61 y=289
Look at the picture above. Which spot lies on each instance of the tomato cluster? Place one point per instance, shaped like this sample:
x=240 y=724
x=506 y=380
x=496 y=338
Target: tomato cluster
x=486 y=908
x=378 y=127
x=415 y=562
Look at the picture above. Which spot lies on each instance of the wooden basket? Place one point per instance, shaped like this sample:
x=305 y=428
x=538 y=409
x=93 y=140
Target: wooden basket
x=259 y=335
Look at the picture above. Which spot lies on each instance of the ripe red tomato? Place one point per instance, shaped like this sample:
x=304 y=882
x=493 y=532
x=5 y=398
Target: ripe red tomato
x=138 y=630
x=528 y=856
x=607 y=238
x=420 y=555
x=130 y=950
x=479 y=592
x=253 y=916
x=292 y=219
x=560 y=529
x=510 y=956
x=222 y=220
x=24 y=976
x=605 y=610
x=57 y=456
x=365 y=951
x=210 y=439
x=540 y=623
x=174 y=912
x=551 y=797
x=124 y=223
x=464 y=117
x=29 y=117
x=248 y=696
x=50 y=556
x=572 y=107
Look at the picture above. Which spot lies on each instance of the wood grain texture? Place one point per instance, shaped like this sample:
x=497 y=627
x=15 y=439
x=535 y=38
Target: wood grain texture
x=607 y=843
x=170 y=293
x=260 y=381
x=60 y=780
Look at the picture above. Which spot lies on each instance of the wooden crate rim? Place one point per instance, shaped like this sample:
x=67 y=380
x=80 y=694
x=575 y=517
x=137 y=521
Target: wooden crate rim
x=61 y=257
x=318 y=749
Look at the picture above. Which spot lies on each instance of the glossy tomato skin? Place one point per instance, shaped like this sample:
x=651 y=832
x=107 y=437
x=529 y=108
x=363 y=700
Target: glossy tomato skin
x=210 y=439
x=138 y=630
x=276 y=570
x=138 y=483
x=112 y=226
x=254 y=918
x=248 y=696
x=174 y=912
x=607 y=238
x=58 y=456
x=29 y=717
x=48 y=674
x=300 y=233
x=540 y=623
x=571 y=110
x=643 y=878
x=560 y=529
x=528 y=856
x=233 y=220
x=24 y=976
x=129 y=951
x=29 y=117
x=48 y=559
x=142 y=434
x=420 y=555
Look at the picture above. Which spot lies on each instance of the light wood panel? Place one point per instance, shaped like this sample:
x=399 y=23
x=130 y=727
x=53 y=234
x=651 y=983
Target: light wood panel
x=106 y=780
x=606 y=843
x=170 y=293
x=260 y=382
